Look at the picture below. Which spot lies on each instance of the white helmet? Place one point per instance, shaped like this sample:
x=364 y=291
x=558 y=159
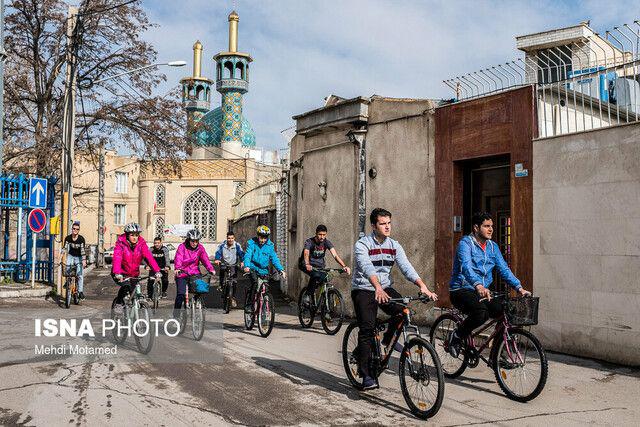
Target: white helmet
x=132 y=227
x=194 y=234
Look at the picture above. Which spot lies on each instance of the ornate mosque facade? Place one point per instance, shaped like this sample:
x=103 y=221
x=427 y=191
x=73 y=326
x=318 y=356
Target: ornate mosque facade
x=210 y=184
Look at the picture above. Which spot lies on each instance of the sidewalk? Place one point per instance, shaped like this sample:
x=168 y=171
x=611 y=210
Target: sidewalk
x=24 y=290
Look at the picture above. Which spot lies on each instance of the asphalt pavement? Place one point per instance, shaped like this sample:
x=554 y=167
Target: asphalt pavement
x=293 y=377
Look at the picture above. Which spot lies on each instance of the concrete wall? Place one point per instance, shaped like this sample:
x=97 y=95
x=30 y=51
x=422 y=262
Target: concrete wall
x=399 y=145
x=587 y=243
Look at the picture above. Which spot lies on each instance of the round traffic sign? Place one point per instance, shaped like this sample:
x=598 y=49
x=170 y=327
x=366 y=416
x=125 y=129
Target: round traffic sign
x=37 y=220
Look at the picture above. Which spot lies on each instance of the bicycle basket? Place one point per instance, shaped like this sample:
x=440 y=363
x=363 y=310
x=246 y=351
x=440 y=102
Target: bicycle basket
x=202 y=286
x=522 y=311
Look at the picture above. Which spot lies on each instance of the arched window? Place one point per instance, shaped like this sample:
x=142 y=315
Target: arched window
x=239 y=70
x=159 y=226
x=228 y=70
x=160 y=196
x=200 y=211
x=219 y=71
x=199 y=92
x=246 y=73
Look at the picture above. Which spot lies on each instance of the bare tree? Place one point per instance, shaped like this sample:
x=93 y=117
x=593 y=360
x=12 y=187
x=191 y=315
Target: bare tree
x=124 y=111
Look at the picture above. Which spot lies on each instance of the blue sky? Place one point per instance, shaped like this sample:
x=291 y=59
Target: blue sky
x=307 y=49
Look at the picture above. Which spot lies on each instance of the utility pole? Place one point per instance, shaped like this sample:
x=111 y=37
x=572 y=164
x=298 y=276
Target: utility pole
x=3 y=56
x=68 y=128
x=99 y=255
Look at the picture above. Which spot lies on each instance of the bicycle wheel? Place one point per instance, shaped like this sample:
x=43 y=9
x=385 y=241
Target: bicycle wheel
x=520 y=365
x=67 y=294
x=182 y=317
x=305 y=314
x=226 y=298
x=349 y=361
x=156 y=296
x=197 y=318
x=331 y=311
x=249 y=318
x=142 y=328
x=266 y=315
x=118 y=315
x=421 y=378
x=439 y=336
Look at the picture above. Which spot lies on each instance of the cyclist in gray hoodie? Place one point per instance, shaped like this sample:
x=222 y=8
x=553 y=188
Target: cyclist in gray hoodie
x=371 y=285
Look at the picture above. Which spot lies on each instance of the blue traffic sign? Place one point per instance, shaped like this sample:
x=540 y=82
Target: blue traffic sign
x=37 y=193
x=37 y=220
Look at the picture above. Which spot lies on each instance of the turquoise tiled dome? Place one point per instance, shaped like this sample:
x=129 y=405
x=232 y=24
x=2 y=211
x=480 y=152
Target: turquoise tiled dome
x=208 y=131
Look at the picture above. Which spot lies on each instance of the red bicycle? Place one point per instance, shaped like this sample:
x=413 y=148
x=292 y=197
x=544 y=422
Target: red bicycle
x=261 y=308
x=515 y=354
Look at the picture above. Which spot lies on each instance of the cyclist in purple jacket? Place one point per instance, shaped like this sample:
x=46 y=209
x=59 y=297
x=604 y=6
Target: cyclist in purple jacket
x=187 y=263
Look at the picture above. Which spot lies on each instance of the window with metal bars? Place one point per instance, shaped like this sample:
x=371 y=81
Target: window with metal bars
x=200 y=211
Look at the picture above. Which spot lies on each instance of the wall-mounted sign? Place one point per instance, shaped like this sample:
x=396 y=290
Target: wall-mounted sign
x=521 y=171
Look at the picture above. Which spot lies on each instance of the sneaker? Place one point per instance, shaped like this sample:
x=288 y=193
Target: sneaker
x=234 y=303
x=454 y=344
x=164 y=295
x=247 y=309
x=369 y=383
x=81 y=295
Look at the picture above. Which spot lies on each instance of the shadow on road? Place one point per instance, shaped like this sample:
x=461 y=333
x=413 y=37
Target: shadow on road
x=302 y=374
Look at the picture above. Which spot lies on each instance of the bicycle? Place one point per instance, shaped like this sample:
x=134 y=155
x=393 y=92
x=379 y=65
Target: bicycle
x=228 y=285
x=194 y=306
x=70 y=273
x=136 y=313
x=330 y=300
x=512 y=348
x=156 y=295
x=419 y=361
x=261 y=307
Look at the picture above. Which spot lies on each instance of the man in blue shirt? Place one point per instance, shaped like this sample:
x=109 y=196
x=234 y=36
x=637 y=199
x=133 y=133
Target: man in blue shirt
x=476 y=257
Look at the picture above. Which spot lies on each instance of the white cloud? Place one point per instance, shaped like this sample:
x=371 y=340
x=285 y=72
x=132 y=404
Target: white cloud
x=304 y=50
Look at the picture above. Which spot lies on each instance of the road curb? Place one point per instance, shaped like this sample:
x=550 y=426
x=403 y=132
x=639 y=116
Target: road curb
x=25 y=293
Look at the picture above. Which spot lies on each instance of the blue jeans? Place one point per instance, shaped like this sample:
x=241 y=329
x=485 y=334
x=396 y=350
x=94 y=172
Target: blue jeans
x=76 y=260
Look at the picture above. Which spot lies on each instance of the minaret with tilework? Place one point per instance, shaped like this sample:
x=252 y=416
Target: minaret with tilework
x=196 y=94
x=232 y=81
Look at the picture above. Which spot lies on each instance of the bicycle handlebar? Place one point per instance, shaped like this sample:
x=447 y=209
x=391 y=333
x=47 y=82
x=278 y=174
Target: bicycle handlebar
x=406 y=300
x=328 y=270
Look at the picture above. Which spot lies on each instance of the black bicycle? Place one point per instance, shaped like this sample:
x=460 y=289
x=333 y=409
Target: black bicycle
x=420 y=371
x=228 y=287
x=327 y=299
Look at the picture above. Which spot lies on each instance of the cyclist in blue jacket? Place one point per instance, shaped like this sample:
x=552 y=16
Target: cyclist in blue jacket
x=476 y=257
x=259 y=254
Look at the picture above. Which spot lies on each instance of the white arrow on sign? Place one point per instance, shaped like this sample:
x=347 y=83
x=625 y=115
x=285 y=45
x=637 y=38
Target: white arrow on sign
x=38 y=189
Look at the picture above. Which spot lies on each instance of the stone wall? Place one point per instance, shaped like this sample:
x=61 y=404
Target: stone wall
x=586 y=195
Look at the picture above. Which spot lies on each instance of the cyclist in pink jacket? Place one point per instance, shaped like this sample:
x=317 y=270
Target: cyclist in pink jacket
x=128 y=254
x=187 y=263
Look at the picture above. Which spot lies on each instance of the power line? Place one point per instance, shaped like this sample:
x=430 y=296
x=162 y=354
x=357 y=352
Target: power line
x=91 y=12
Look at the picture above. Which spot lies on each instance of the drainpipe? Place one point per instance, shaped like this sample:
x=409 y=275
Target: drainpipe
x=358 y=138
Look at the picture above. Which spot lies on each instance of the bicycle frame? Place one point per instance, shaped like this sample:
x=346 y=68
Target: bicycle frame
x=403 y=328
x=502 y=326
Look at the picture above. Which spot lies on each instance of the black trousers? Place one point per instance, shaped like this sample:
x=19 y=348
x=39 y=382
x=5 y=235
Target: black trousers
x=315 y=278
x=165 y=282
x=366 y=308
x=468 y=302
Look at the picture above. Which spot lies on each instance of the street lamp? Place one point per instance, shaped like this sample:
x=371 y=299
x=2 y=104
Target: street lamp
x=88 y=83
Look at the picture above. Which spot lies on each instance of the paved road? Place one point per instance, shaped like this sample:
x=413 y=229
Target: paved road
x=293 y=377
